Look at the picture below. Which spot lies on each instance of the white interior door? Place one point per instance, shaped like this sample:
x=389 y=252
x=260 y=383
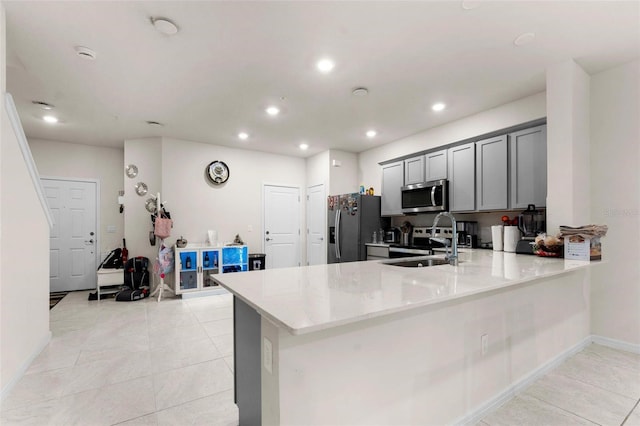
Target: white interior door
x=73 y=240
x=281 y=226
x=316 y=225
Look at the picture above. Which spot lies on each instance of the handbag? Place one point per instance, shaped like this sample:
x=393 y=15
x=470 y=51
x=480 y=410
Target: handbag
x=162 y=227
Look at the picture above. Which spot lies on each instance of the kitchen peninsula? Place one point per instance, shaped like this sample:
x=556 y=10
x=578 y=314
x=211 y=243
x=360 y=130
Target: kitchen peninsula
x=374 y=343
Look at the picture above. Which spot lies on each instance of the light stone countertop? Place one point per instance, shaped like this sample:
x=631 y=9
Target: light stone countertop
x=312 y=298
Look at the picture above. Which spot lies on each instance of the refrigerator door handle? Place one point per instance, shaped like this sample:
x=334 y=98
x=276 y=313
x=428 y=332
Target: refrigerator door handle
x=338 y=217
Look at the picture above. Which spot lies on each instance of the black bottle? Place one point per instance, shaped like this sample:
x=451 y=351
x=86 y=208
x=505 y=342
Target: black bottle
x=206 y=259
x=187 y=263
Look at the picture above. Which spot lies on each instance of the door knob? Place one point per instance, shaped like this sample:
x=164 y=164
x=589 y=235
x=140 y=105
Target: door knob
x=267 y=239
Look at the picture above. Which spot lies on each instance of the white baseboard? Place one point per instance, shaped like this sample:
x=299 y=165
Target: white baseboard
x=616 y=344
x=25 y=366
x=480 y=412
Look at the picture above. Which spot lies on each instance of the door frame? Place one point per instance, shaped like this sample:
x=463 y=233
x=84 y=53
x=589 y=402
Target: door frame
x=324 y=225
x=98 y=253
x=301 y=256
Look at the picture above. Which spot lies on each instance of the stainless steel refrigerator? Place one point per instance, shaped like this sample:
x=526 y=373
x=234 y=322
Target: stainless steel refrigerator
x=352 y=218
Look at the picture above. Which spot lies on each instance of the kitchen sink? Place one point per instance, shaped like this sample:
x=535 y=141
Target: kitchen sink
x=413 y=263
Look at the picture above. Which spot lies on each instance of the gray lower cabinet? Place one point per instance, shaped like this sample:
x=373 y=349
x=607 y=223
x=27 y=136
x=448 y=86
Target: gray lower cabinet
x=492 y=174
x=462 y=177
x=246 y=363
x=528 y=158
x=414 y=170
x=392 y=181
x=435 y=165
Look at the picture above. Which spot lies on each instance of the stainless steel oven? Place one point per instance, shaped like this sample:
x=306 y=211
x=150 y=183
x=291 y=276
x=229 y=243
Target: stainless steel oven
x=425 y=197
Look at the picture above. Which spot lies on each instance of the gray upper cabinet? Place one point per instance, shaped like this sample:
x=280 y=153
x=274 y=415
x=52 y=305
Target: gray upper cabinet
x=492 y=173
x=435 y=165
x=462 y=176
x=528 y=157
x=414 y=170
x=392 y=181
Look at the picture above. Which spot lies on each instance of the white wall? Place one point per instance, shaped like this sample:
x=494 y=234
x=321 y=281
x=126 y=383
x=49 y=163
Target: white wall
x=343 y=179
x=68 y=160
x=146 y=155
x=615 y=201
x=511 y=114
x=176 y=169
x=24 y=245
x=318 y=170
x=567 y=146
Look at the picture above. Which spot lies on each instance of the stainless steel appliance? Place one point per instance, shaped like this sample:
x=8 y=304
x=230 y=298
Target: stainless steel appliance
x=531 y=222
x=392 y=236
x=425 y=197
x=353 y=218
x=467 y=233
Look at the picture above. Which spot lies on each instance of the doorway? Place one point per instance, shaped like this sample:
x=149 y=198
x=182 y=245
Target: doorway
x=316 y=225
x=281 y=218
x=73 y=240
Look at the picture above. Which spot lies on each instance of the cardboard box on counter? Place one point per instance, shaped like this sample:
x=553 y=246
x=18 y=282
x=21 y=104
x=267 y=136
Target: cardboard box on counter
x=578 y=248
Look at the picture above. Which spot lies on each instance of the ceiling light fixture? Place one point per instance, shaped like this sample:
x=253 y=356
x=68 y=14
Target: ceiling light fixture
x=50 y=119
x=155 y=123
x=438 y=107
x=85 y=53
x=470 y=4
x=164 y=26
x=325 y=65
x=303 y=146
x=371 y=133
x=243 y=136
x=273 y=111
x=360 y=91
x=523 y=39
x=43 y=105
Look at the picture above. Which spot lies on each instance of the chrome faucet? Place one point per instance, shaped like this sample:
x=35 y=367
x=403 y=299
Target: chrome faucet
x=453 y=257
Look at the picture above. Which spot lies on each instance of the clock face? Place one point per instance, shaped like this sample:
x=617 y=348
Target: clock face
x=217 y=172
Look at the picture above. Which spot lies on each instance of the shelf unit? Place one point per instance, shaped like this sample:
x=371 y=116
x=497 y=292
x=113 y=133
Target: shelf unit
x=195 y=264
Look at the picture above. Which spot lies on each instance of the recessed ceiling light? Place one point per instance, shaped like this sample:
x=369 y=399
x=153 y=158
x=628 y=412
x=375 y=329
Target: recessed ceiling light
x=243 y=136
x=360 y=91
x=303 y=146
x=470 y=4
x=85 y=53
x=50 y=119
x=42 y=105
x=273 y=111
x=325 y=65
x=523 y=39
x=438 y=107
x=371 y=133
x=164 y=26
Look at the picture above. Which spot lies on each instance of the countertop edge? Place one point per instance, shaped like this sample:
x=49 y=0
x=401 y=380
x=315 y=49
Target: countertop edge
x=406 y=308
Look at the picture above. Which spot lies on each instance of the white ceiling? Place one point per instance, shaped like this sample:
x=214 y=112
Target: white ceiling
x=231 y=59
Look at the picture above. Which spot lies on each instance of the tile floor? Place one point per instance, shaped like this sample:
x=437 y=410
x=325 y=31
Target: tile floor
x=598 y=386
x=105 y=359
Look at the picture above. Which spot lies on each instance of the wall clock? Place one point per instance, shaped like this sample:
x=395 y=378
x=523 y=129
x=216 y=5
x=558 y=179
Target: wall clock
x=217 y=172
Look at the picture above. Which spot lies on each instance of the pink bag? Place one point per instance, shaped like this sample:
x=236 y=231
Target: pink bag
x=162 y=227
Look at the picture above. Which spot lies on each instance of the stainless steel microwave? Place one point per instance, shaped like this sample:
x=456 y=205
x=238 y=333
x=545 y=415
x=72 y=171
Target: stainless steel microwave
x=425 y=197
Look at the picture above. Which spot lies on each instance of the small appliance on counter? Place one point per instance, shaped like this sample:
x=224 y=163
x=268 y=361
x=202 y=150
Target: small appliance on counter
x=393 y=235
x=531 y=222
x=467 y=234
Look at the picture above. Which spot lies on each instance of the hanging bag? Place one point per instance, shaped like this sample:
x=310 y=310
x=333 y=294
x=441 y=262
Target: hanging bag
x=162 y=227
